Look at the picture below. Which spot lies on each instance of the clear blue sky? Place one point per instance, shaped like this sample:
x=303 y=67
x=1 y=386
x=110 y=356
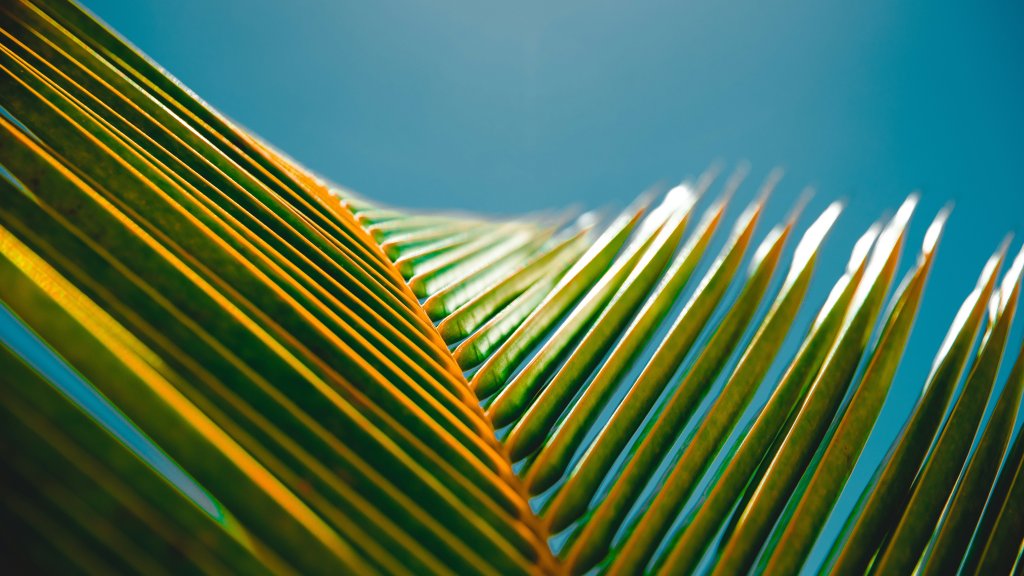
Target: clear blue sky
x=515 y=107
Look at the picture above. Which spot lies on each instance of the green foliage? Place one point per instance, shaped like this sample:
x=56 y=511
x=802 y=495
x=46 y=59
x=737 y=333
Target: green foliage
x=215 y=362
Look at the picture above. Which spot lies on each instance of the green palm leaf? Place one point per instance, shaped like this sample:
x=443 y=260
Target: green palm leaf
x=214 y=362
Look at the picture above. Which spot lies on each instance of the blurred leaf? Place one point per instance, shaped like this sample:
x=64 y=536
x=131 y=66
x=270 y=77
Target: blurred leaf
x=216 y=362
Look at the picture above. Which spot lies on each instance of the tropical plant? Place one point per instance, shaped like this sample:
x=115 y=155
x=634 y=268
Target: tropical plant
x=213 y=361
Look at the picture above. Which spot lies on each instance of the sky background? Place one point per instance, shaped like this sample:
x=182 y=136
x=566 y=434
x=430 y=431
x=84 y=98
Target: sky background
x=516 y=107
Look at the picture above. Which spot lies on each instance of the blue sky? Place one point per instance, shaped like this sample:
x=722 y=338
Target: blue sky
x=515 y=107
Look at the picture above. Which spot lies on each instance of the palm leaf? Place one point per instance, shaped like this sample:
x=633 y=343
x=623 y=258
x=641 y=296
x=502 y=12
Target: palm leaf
x=216 y=362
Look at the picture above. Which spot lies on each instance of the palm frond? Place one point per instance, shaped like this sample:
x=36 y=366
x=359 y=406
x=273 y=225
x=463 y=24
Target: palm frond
x=216 y=362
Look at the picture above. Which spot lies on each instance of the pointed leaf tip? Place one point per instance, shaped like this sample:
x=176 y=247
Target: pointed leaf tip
x=739 y=174
x=801 y=202
x=934 y=232
x=813 y=237
x=1012 y=280
x=771 y=181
